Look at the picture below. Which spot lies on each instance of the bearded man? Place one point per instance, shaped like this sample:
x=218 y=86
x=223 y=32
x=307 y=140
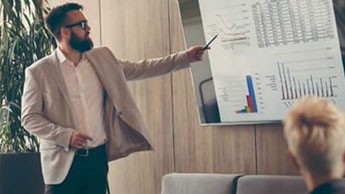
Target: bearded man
x=77 y=102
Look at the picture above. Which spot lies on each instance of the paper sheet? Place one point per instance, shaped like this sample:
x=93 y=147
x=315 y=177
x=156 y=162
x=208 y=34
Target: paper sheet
x=270 y=53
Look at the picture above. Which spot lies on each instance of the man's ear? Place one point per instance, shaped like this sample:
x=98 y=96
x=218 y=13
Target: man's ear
x=293 y=159
x=64 y=32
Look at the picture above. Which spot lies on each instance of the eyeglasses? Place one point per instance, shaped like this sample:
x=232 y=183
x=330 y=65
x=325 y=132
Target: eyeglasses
x=82 y=24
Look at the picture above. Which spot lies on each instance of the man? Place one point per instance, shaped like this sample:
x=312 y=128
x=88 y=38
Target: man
x=78 y=103
x=315 y=133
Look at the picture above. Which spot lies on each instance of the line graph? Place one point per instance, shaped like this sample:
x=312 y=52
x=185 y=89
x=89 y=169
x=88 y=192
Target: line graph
x=234 y=26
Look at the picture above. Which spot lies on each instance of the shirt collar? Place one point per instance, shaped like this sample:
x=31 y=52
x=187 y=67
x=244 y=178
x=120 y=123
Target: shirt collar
x=63 y=59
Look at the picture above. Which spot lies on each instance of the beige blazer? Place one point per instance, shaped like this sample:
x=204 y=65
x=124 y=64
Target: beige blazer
x=46 y=110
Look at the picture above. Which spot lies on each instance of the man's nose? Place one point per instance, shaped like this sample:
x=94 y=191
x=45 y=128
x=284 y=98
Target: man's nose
x=87 y=28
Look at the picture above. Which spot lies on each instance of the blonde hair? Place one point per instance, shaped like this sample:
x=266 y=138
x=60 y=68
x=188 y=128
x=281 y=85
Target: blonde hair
x=315 y=132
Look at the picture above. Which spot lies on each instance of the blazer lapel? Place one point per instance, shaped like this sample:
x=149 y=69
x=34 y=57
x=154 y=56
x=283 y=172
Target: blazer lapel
x=55 y=73
x=100 y=73
x=97 y=70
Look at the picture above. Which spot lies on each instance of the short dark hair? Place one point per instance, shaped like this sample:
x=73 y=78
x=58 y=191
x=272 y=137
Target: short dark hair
x=57 y=16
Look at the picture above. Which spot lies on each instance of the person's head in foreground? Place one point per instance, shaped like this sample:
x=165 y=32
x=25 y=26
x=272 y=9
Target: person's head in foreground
x=315 y=132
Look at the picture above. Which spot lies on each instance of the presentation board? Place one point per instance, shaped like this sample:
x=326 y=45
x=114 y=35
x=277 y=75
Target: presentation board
x=267 y=54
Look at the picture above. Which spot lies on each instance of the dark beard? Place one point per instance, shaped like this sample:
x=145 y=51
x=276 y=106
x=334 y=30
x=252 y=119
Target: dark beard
x=79 y=44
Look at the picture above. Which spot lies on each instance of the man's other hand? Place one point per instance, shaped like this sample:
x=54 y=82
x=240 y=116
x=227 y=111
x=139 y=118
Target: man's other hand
x=78 y=139
x=196 y=53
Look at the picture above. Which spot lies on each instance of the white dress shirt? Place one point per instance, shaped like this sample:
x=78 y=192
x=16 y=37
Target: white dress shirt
x=86 y=93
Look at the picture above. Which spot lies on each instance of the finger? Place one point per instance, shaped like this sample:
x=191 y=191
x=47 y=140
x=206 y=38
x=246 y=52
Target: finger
x=78 y=144
x=79 y=139
x=75 y=145
x=198 y=56
x=85 y=136
x=197 y=52
x=200 y=47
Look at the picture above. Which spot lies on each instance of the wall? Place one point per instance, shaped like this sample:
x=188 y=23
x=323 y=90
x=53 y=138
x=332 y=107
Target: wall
x=137 y=29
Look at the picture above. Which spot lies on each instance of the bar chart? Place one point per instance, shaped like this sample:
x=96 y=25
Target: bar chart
x=251 y=106
x=243 y=94
x=296 y=82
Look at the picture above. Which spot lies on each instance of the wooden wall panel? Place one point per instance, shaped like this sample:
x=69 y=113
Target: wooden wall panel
x=136 y=29
x=272 y=151
x=222 y=149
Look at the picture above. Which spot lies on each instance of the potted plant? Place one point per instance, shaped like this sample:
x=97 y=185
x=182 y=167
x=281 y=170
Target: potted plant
x=23 y=40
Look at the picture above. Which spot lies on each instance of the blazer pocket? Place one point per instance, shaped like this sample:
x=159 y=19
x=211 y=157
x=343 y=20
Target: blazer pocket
x=47 y=146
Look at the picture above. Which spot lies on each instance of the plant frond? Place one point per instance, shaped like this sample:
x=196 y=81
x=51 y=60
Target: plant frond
x=23 y=40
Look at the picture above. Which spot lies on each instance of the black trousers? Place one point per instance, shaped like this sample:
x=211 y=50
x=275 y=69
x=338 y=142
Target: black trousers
x=87 y=175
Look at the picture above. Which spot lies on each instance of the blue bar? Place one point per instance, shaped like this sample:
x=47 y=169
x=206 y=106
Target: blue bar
x=242 y=111
x=251 y=92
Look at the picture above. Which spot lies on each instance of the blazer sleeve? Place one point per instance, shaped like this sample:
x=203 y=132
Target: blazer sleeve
x=32 y=118
x=153 y=67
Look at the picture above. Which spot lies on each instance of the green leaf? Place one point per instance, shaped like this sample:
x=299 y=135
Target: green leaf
x=23 y=40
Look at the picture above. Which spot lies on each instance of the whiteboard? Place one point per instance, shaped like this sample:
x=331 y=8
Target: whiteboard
x=268 y=54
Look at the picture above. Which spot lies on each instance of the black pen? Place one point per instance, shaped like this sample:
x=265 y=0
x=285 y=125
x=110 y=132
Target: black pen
x=208 y=44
